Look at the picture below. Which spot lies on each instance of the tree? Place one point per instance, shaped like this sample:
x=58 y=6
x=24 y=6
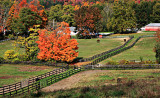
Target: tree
x=29 y=44
x=26 y=20
x=157 y=46
x=107 y=14
x=143 y=11
x=57 y=45
x=21 y=23
x=4 y=9
x=156 y=13
x=56 y=13
x=68 y=15
x=123 y=17
x=87 y=19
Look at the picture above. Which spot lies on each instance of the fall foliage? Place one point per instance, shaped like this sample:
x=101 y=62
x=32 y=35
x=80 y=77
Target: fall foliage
x=88 y=18
x=34 y=6
x=57 y=44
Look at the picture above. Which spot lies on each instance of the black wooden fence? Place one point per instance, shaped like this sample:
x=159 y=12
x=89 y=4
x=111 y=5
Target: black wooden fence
x=116 y=51
x=106 y=52
x=31 y=83
x=137 y=66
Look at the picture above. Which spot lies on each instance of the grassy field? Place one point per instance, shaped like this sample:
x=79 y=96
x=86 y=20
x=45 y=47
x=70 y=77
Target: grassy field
x=90 y=47
x=143 y=48
x=87 y=47
x=7 y=45
x=111 y=83
x=136 y=35
x=10 y=73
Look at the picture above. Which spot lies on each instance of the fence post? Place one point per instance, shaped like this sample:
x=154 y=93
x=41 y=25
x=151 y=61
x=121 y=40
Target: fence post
x=3 y=91
x=15 y=88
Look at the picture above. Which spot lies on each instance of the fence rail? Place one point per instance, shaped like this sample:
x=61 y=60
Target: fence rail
x=30 y=81
x=106 y=52
x=116 y=51
x=4 y=40
x=12 y=91
x=134 y=66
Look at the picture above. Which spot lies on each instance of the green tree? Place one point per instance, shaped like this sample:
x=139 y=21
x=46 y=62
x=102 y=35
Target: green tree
x=123 y=17
x=107 y=14
x=26 y=20
x=68 y=15
x=143 y=12
x=56 y=13
x=156 y=13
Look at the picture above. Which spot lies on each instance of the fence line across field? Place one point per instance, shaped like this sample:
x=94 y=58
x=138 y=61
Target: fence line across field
x=116 y=51
x=26 y=82
x=11 y=91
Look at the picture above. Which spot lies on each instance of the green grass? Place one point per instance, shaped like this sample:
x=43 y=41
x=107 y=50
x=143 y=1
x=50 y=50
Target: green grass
x=15 y=73
x=7 y=45
x=133 y=83
x=149 y=31
x=87 y=47
x=136 y=35
x=143 y=48
x=90 y=47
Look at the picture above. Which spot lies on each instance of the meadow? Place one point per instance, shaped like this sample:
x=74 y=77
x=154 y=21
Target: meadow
x=107 y=83
x=143 y=49
x=12 y=73
x=87 y=47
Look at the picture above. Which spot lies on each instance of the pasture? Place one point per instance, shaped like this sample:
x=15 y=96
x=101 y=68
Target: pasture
x=142 y=49
x=105 y=83
x=11 y=73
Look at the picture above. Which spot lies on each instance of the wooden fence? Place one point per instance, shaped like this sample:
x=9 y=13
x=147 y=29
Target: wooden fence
x=30 y=83
x=115 y=51
x=106 y=52
x=134 y=66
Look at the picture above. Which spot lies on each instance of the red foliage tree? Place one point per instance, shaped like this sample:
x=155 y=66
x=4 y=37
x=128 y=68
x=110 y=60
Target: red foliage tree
x=57 y=45
x=88 y=18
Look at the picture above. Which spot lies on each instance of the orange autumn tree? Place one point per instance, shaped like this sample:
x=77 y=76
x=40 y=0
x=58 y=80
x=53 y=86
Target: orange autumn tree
x=57 y=45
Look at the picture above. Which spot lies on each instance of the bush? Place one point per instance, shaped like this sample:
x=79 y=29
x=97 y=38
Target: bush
x=2 y=59
x=22 y=57
x=10 y=55
x=123 y=62
x=112 y=63
x=11 y=36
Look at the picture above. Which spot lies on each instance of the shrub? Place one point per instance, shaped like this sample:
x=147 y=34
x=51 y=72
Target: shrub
x=112 y=63
x=10 y=55
x=11 y=36
x=123 y=62
x=2 y=59
x=149 y=62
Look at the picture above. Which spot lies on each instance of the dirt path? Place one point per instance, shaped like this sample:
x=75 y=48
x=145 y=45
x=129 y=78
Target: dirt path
x=70 y=81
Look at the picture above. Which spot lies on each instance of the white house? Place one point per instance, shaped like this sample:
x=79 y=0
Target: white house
x=73 y=29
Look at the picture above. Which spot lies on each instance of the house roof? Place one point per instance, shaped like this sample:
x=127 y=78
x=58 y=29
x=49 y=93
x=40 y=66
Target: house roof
x=153 y=25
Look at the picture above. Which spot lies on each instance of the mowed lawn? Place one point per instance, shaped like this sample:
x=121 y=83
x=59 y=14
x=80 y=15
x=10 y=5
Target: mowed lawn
x=12 y=73
x=90 y=47
x=143 y=48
